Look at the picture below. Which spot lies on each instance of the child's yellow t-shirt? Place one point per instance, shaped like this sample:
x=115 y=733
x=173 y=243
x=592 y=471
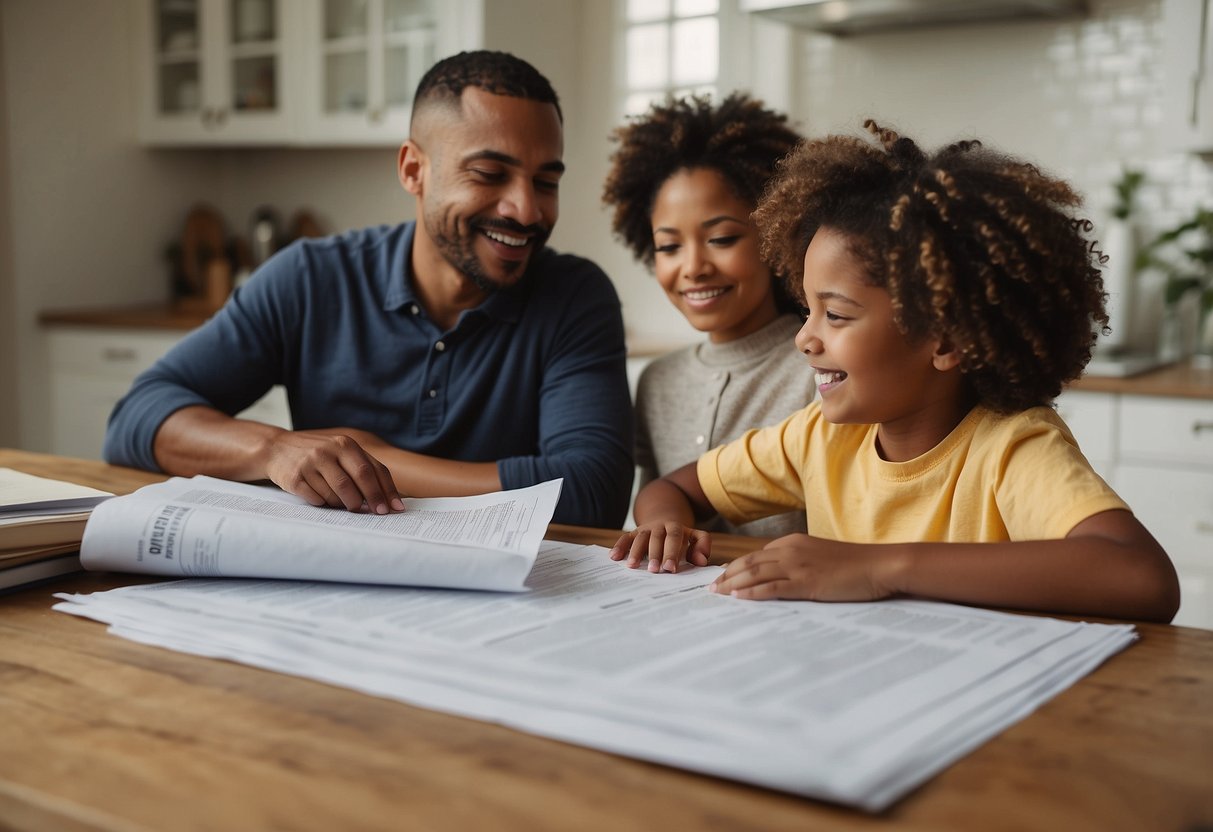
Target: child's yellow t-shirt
x=996 y=477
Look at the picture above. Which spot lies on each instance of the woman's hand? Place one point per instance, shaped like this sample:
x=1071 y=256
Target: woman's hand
x=665 y=544
x=810 y=568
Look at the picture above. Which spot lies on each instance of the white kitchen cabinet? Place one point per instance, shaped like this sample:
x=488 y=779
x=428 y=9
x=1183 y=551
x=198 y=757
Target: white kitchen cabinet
x=364 y=58
x=217 y=71
x=1160 y=460
x=1188 y=74
x=291 y=72
x=1091 y=417
x=92 y=368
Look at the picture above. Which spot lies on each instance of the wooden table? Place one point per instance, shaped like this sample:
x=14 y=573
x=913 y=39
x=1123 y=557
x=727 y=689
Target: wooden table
x=97 y=732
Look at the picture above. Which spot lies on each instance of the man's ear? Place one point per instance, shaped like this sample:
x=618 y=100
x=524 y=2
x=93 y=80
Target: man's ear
x=945 y=357
x=410 y=167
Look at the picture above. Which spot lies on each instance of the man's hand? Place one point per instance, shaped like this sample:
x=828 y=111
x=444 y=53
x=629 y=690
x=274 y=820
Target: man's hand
x=332 y=468
x=665 y=544
x=810 y=568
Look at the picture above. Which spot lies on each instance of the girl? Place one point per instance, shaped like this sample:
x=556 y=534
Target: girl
x=949 y=297
x=683 y=182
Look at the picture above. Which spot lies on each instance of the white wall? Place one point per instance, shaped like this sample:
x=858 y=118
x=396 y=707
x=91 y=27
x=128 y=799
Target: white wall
x=90 y=210
x=8 y=313
x=343 y=188
x=1080 y=97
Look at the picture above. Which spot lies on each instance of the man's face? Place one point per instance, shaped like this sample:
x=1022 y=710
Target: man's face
x=490 y=199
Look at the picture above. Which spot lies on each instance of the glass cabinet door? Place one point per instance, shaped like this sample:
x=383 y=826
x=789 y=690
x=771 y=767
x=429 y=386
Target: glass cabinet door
x=409 y=36
x=346 y=50
x=253 y=38
x=217 y=71
x=177 y=42
x=257 y=72
x=373 y=53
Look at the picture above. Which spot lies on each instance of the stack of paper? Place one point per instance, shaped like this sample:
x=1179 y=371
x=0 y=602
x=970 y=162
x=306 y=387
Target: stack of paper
x=41 y=524
x=206 y=527
x=854 y=703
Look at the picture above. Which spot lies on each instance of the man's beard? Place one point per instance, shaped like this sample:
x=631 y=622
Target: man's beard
x=458 y=248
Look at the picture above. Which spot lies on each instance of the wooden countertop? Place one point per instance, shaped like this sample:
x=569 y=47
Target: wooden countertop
x=1183 y=380
x=158 y=316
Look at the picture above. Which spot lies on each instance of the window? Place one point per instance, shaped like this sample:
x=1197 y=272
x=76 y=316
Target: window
x=669 y=47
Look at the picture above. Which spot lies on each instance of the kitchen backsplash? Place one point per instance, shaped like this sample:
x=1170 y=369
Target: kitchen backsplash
x=1081 y=97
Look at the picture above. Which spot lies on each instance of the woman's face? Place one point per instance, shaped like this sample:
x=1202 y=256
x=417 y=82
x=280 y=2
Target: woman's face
x=706 y=256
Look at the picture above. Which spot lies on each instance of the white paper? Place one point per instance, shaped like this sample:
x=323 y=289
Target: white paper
x=215 y=528
x=855 y=703
x=39 y=516
x=24 y=495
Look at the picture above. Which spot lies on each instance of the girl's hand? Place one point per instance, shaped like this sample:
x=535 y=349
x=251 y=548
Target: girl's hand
x=664 y=544
x=809 y=568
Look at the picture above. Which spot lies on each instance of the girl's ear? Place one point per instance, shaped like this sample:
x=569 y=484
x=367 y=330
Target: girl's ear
x=945 y=357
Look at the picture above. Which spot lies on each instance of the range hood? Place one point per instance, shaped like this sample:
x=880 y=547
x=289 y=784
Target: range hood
x=846 y=17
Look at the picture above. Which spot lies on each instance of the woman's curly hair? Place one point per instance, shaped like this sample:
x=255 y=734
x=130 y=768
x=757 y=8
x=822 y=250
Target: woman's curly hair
x=740 y=139
x=974 y=247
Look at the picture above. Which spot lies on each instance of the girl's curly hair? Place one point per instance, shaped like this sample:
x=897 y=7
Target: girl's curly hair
x=974 y=247
x=740 y=139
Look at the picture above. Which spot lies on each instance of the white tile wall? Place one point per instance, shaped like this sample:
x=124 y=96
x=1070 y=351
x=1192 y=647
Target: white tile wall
x=1081 y=97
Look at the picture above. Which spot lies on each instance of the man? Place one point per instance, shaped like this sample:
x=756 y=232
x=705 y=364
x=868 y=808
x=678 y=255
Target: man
x=448 y=356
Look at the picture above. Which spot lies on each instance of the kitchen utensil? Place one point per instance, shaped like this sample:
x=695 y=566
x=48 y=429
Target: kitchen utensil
x=202 y=240
x=265 y=235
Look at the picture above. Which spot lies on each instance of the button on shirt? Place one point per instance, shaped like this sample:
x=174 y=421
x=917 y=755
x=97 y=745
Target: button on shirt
x=533 y=378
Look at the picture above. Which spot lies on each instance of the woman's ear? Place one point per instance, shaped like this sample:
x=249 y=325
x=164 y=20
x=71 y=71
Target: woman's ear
x=945 y=357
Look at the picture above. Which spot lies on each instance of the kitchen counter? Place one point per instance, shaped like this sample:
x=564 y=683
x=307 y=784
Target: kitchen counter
x=1182 y=380
x=151 y=316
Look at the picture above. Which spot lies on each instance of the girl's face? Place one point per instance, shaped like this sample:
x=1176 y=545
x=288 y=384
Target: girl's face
x=868 y=372
x=706 y=256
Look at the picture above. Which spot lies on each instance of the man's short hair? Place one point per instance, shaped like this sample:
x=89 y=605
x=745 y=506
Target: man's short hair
x=499 y=73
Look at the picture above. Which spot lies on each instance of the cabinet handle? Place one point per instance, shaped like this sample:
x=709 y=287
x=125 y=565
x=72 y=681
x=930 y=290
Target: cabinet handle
x=213 y=117
x=375 y=115
x=1202 y=36
x=1198 y=427
x=1194 y=110
x=118 y=354
x=1201 y=67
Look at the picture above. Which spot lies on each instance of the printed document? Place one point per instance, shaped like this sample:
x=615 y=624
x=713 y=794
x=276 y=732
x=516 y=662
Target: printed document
x=853 y=703
x=205 y=527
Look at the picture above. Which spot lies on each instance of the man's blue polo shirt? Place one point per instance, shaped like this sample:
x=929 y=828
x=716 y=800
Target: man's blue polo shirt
x=534 y=378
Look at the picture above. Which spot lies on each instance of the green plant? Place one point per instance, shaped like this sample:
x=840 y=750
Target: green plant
x=1126 y=187
x=1185 y=255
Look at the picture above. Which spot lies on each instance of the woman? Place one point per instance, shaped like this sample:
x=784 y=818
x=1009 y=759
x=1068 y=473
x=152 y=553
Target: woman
x=683 y=182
